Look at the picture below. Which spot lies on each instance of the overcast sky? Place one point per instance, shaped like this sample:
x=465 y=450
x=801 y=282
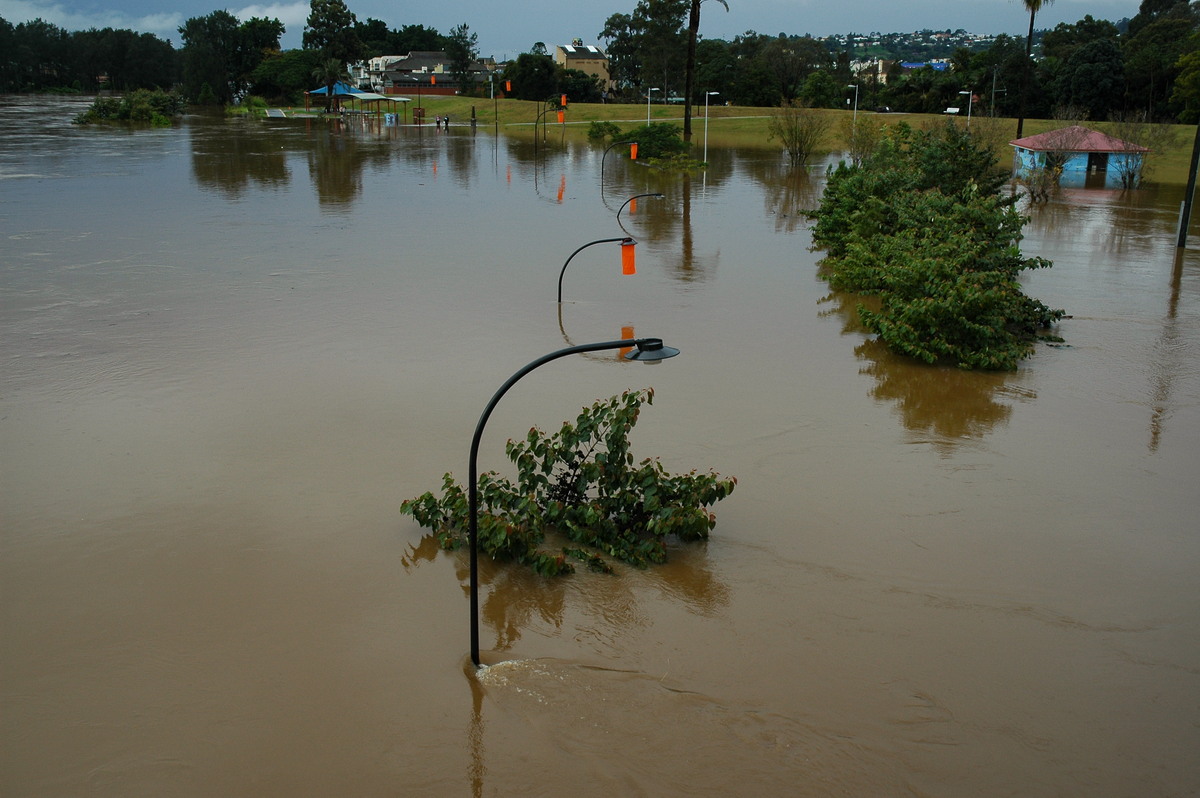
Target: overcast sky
x=508 y=29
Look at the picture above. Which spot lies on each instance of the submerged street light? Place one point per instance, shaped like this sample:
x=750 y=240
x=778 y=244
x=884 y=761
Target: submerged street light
x=646 y=349
x=632 y=203
x=605 y=155
x=628 y=264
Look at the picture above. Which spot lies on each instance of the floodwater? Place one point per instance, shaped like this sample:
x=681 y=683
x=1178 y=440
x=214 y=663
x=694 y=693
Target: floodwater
x=232 y=348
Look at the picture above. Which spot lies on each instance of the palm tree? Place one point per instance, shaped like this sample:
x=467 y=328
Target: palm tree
x=689 y=81
x=330 y=71
x=1033 y=6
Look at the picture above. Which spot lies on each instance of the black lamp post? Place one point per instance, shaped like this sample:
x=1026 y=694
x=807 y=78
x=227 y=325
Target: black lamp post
x=609 y=147
x=646 y=349
x=543 y=119
x=630 y=142
x=626 y=241
x=656 y=195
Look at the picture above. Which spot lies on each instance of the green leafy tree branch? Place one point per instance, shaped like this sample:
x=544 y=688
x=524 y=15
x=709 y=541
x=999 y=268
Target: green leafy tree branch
x=583 y=483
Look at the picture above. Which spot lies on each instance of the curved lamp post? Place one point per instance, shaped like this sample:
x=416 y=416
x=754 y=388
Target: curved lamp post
x=543 y=118
x=647 y=349
x=630 y=142
x=627 y=263
x=634 y=198
x=609 y=147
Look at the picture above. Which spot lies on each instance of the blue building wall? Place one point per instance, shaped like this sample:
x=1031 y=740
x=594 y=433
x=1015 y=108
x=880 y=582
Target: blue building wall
x=1075 y=168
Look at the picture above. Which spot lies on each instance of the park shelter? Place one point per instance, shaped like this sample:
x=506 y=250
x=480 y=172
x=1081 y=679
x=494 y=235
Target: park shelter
x=1076 y=152
x=343 y=91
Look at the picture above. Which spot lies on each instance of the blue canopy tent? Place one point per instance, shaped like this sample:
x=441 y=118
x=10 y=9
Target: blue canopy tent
x=344 y=91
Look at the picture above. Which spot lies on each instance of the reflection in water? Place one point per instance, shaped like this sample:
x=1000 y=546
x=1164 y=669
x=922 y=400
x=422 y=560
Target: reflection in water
x=617 y=356
x=337 y=152
x=787 y=191
x=688 y=577
x=609 y=606
x=845 y=306
x=231 y=164
x=477 y=768
x=335 y=164
x=1169 y=352
x=517 y=599
x=1111 y=221
x=949 y=405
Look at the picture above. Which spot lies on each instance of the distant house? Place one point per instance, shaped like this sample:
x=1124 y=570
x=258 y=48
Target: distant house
x=1077 y=151
x=586 y=58
x=427 y=69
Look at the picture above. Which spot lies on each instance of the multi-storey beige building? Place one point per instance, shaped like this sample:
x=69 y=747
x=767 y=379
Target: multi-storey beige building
x=585 y=58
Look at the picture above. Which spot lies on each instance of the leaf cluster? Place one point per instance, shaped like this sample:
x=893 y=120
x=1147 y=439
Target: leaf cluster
x=920 y=223
x=583 y=483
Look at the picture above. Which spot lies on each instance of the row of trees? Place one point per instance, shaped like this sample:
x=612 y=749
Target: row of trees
x=221 y=58
x=1092 y=65
x=1150 y=63
x=39 y=56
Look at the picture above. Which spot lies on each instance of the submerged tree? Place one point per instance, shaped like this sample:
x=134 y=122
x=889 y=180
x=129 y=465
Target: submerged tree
x=583 y=484
x=921 y=225
x=800 y=129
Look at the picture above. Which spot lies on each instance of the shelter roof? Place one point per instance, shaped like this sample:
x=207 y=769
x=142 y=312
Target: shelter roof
x=1076 y=138
x=339 y=90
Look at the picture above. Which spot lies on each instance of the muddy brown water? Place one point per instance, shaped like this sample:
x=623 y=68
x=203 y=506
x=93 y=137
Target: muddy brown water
x=230 y=349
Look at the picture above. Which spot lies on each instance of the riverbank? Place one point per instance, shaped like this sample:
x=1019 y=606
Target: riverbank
x=742 y=126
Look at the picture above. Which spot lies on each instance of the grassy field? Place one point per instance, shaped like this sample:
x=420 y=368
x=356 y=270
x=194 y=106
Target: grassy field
x=747 y=127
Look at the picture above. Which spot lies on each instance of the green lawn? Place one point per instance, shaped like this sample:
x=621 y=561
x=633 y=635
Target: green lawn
x=747 y=127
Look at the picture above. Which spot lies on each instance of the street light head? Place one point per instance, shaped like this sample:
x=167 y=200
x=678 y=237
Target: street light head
x=651 y=350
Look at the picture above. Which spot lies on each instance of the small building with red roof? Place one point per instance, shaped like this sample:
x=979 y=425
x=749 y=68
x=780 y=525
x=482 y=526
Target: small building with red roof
x=1075 y=152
